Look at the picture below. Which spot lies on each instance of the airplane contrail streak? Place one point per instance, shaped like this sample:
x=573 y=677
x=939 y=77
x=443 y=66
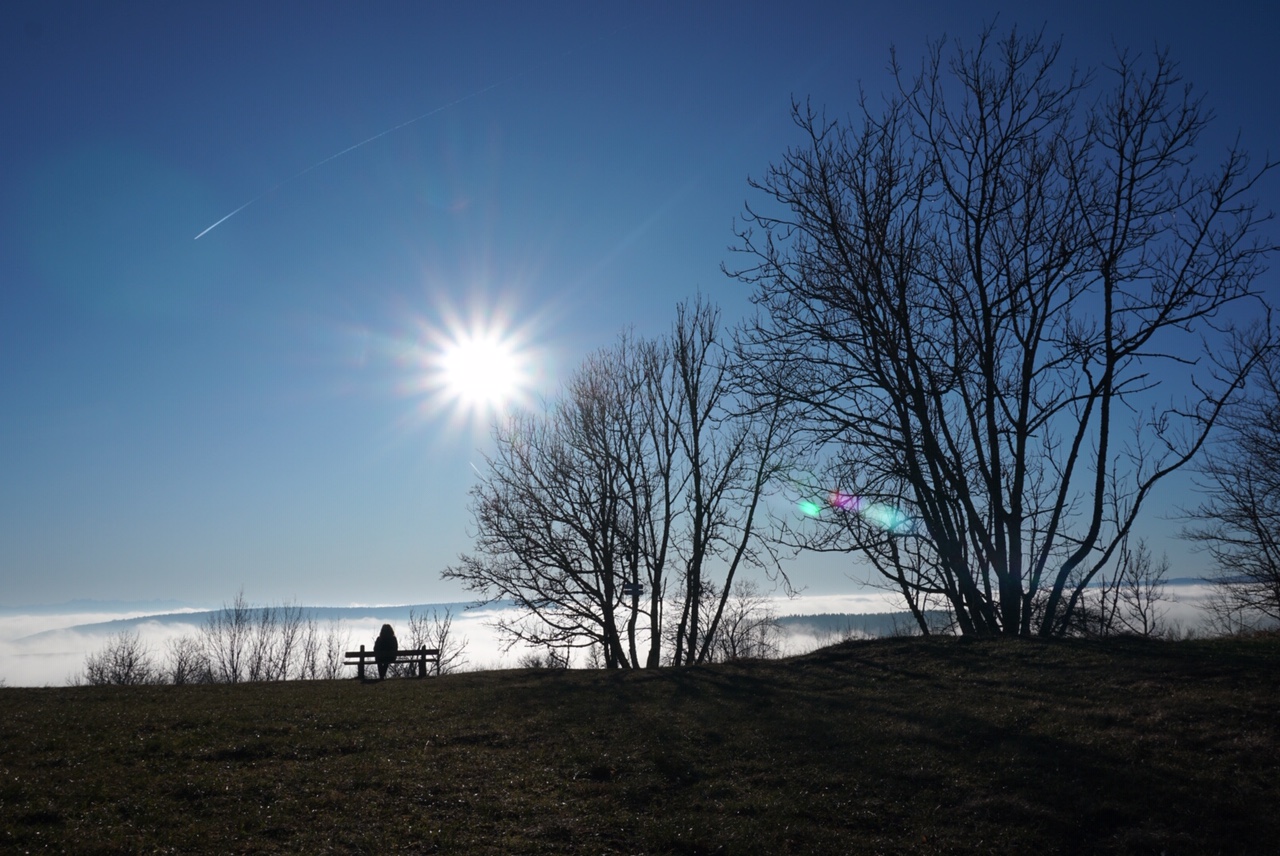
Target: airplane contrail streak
x=395 y=128
x=232 y=214
x=348 y=149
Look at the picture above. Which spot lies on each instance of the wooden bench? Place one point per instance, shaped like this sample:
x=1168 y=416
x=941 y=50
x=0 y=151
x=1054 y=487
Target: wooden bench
x=418 y=656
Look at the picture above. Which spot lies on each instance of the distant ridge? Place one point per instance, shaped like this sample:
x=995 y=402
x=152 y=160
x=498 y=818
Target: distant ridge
x=874 y=624
x=320 y=613
x=178 y=612
x=839 y=624
x=74 y=606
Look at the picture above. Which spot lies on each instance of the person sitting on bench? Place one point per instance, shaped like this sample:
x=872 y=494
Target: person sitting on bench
x=384 y=650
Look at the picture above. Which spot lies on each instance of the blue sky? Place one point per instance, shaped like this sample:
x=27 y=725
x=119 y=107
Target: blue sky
x=180 y=418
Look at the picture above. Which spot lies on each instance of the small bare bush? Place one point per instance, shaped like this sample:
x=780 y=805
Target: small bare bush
x=436 y=631
x=335 y=647
x=546 y=658
x=748 y=627
x=1129 y=600
x=226 y=641
x=125 y=660
x=187 y=662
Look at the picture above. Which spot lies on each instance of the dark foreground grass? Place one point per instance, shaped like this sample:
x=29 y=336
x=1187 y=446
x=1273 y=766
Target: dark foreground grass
x=897 y=746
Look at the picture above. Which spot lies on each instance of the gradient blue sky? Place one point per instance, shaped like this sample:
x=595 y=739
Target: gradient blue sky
x=180 y=418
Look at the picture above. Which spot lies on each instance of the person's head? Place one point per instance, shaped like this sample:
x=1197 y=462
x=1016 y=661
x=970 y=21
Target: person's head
x=387 y=631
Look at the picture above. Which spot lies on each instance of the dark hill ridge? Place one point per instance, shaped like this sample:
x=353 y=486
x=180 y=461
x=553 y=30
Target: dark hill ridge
x=891 y=746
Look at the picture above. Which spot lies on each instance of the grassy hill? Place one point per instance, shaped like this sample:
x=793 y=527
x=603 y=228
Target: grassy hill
x=890 y=746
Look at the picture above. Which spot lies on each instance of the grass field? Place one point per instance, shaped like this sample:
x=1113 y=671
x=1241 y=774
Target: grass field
x=893 y=746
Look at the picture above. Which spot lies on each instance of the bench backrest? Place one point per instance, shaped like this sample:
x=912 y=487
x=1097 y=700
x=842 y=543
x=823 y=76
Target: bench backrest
x=403 y=652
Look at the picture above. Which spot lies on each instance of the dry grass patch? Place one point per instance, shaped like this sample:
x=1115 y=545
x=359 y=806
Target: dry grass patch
x=896 y=746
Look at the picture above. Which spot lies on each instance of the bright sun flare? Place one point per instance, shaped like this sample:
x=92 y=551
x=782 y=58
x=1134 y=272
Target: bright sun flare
x=483 y=370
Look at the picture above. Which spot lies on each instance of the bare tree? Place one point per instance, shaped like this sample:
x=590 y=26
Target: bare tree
x=261 y=661
x=1127 y=599
x=730 y=448
x=291 y=629
x=547 y=657
x=558 y=515
x=436 y=631
x=125 y=660
x=226 y=638
x=1142 y=591
x=258 y=643
x=749 y=628
x=1098 y=609
x=650 y=466
x=1239 y=523
x=187 y=662
x=310 y=648
x=238 y=643
x=336 y=642
x=1005 y=305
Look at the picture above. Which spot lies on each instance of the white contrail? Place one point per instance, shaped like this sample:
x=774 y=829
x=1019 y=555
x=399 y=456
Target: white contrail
x=392 y=129
x=233 y=213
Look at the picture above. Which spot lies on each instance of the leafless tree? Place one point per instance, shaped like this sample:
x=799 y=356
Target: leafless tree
x=310 y=650
x=646 y=470
x=1009 y=302
x=226 y=636
x=730 y=452
x=335 y=646
x=1127 y=599
x=1142 y=591
x=125 y=660
x=1239 y=523
x=1097 y=611
x=749 y=628
x=257 y=643
x=291 y=629
x=187 y=662
x=436 y=631
x=557 y=514
x=547 y=657
x=320 y=651
x=240 y=642
x=261 y=660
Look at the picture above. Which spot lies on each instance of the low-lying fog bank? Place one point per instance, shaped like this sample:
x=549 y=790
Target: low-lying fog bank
x=50 y=648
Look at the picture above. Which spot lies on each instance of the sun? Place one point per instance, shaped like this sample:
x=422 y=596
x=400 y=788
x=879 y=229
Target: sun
x=466 y=371
x=482 y=370
x=474 y=370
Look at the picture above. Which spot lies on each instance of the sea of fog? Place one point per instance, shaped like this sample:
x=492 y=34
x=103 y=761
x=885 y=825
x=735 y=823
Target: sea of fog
x=48 y=648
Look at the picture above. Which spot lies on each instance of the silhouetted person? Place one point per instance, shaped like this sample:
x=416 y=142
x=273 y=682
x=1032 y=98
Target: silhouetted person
x=384 y=650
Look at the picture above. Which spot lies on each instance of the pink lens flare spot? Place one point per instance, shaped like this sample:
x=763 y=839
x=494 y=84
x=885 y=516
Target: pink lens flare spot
x=845 y=502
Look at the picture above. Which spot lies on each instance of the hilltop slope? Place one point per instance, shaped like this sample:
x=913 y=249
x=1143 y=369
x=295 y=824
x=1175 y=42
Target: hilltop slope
x=890 y=746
